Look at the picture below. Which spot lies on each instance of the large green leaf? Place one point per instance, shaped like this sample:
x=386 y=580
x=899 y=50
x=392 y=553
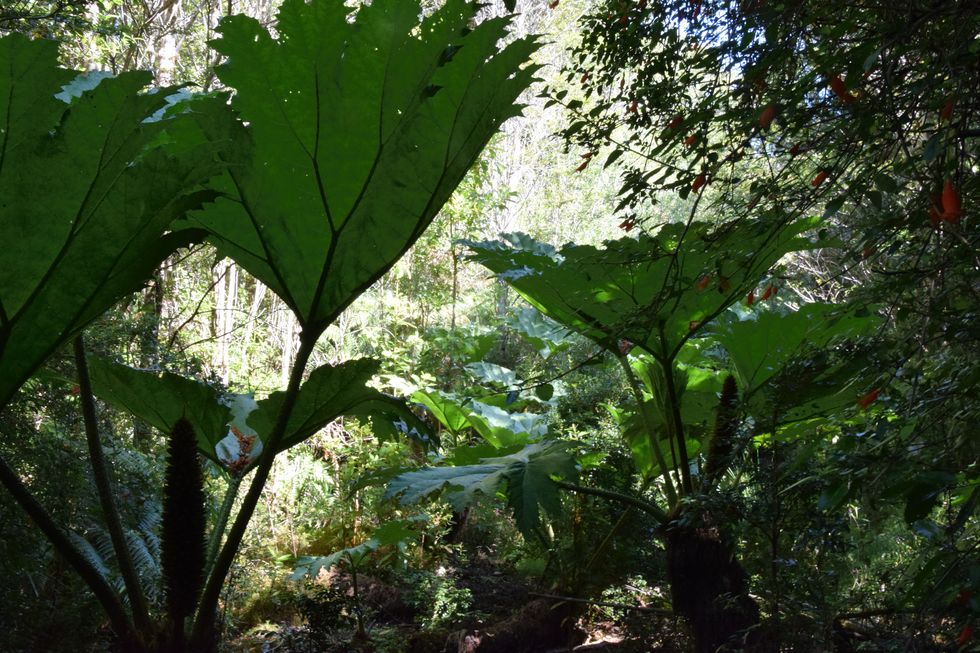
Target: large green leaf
x=445 y=407
x=361 y=125
x=503 y=429
x=88 y=190
x=162 y=398
x=697 y=390
x=762 y=343
x=654 y=291
x=329 y=392
x=391 y=419
x=641 y=441
x=524 y=477
x=221 y=421
x=497 y=426
x=494 y=375
x=545 y=335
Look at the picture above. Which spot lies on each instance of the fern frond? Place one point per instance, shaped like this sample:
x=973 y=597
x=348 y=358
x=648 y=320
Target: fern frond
x=91 y=553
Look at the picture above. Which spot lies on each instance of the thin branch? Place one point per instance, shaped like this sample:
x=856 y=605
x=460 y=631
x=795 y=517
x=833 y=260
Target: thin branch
x=651 y=509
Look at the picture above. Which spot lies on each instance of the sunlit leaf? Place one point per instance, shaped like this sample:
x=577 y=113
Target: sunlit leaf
x=359 y=131
x=89 y=189
x=524 y=477
x=654 y=291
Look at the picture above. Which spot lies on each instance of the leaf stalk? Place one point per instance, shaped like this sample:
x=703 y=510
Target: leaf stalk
x=103 y=485
x=202 y=632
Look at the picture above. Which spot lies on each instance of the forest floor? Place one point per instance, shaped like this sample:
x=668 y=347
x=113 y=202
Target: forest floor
x=504 y=613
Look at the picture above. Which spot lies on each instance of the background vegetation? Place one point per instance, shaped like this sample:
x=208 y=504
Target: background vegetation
x=847 y=492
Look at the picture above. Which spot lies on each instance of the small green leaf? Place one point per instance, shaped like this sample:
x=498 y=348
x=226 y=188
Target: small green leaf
x=876 y=198
x=545 y=392
x=833 y=496
x=924 y=493
x=612 y=158
x=833 y=206
x=886 y=183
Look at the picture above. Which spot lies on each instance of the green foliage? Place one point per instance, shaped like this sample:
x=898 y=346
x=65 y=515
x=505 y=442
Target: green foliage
x=439 y=601
x=523 y=477
x=852 y=459
x=113 y=177
x=655 y=291
x=371 y=120
x=764 y=341
x=394 y=533
x=355 y=128
x=329 y=392
x=498 y=427
x=548 y=337
x=641 y=442
x=162 y=400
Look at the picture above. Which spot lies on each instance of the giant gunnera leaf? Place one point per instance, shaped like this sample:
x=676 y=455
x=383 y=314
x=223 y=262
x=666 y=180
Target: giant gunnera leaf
x=91 y=176
x=359 y=123
x=233 y=429
x=524 y=477
x=654 y=291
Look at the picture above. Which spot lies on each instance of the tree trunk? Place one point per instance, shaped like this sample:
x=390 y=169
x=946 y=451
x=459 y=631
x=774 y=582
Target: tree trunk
x=710 y=588
x=148 y=353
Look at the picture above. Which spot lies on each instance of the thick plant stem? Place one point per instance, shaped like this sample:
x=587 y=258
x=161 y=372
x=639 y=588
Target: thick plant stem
x=100 y=473
x=647 y=507
x=219 y=527
x=113 y=607
x=651 y=433
x=607 y=540
x=202 y=632
x=673 y=399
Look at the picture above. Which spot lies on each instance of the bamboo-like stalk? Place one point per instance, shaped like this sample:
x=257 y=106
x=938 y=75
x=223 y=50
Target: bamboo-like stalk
x=103 y=484
x=674 y=406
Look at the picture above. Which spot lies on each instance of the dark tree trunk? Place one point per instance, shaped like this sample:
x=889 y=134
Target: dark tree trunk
x=457 y=526
x=710 y=589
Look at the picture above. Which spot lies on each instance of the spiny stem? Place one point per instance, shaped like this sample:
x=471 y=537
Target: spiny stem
x=100 y=473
